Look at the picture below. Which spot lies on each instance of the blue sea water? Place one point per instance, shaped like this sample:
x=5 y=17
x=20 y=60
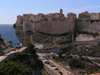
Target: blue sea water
x=8 y=33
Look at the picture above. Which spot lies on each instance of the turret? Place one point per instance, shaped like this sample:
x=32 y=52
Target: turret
x=19 y=19
x=61 y=11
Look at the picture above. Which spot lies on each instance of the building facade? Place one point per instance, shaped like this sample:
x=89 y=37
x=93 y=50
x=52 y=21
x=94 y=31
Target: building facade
x=71 y=15
x=95 y=16
x=84 y=16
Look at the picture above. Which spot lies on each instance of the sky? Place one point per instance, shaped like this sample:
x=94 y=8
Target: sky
x=9 y=9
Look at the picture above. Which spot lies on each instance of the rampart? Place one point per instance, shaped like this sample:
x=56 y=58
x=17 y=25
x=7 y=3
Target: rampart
x=84 y=25
x=55 y=27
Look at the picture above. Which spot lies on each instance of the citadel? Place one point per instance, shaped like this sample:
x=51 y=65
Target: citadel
x=57 y=23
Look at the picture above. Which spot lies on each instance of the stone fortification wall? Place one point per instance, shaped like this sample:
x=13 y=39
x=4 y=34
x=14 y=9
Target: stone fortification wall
x=27 y=26
x=55 y=27
x=19 y=20
x=88 y=26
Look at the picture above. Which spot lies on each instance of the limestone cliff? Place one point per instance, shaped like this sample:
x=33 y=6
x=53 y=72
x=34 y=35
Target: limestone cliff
x=5 y=47
x=23 y=37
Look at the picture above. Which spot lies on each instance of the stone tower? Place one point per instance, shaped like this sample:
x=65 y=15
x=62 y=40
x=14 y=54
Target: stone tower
x=61 y=11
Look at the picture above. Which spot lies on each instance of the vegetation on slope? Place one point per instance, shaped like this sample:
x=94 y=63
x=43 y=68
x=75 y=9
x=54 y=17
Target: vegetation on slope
x=51 y=40
x=23 y=63
x=83 y=50
x=81 y=65
x=89 y=33
x=77 y=62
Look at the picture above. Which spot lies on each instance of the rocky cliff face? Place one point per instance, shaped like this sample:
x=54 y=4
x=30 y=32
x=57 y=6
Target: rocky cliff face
x=23 y=37
x=5 y=47
x=24 y=31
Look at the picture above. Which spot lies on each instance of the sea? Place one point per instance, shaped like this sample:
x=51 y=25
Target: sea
x=8 y=33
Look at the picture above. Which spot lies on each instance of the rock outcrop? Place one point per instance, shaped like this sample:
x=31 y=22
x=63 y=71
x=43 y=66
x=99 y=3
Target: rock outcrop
x=5 y=47
x=23 y=37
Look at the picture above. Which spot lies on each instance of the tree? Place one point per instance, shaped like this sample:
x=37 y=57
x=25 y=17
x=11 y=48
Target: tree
x=21 y=56
x=8 y=67
x=22 y=63
x=1 y=40
x=95 y=34
x=76 y=63
x=60 y=54
x=10 y=42
x=14 y=25
x=31 y=50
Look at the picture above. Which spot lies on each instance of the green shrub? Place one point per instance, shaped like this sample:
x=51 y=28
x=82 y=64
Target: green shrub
x=36 y=21
x=1 y=40
x=56 y=68
x=76 y=63
x=97 y=20
x=21 y=56
x=85 y=32
x=8 y=67
x=63 y=41
x=91 y=21
x=89 y=60
x=10 y=42
x=58 y=59
x=45 y=19
x=22 y=63
x=90 y=69
x=88 y=33
x=95 y=34
x=60 y=73
x=98 y=61
x=14 y=25
x=50 y=48
x=68 y=36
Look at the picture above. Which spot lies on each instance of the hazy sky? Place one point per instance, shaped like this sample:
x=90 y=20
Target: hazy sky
x=9 y=9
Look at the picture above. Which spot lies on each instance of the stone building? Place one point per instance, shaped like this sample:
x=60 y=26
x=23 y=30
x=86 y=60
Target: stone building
x=95 y=16
x=41 y=14
x=37 y=18
x=84 y=16
x=27 y=17
x=19 y=19
x=50 y=18
x=71 y=15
